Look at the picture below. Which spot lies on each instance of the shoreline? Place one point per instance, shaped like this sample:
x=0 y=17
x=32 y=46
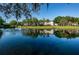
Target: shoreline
x=49 y=27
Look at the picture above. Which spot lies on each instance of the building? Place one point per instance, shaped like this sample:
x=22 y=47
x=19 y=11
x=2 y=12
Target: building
x=39 y=23
x=49 y=23
x=55 y=24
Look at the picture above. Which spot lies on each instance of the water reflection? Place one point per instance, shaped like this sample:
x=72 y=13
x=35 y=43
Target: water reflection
x=20 y=41
x=60 y=33
x=66 y=33
x=34 y=33
x=1 y=33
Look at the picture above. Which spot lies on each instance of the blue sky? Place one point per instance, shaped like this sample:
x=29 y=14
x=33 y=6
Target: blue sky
x=57 y=9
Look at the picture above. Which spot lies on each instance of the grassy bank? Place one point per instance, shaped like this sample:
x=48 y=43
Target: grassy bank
x=49 y=27
x=36 y=27
x=66 y=27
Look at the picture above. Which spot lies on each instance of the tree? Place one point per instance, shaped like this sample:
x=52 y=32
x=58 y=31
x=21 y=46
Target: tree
x=13 y=23
x=57 y=19
x=1 y=21
x=20 y=23
x=20 y=9
x=34 y=21
x=24 y=21
x=27 y=21
x=66 y=20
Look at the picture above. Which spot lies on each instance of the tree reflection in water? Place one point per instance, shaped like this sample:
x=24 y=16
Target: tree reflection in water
x=1 y=33
x=60 y=33
x=34 y=33
x=66 y=33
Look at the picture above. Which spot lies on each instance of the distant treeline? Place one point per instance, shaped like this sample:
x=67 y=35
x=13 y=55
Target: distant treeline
x=60 y=20
x=30 y=22
x=66 y=20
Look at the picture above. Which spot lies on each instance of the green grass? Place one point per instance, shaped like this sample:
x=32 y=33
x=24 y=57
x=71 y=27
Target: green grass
x=36 y=27
x=49 y=27
x=66 y=27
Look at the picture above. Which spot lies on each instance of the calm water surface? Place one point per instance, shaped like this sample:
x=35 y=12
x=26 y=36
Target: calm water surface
x=39 y=42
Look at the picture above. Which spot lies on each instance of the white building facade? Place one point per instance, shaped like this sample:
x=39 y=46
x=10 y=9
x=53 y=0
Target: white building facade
x=49 y=23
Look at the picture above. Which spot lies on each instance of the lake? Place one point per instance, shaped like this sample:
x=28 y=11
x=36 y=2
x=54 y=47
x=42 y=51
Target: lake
x=39 y=42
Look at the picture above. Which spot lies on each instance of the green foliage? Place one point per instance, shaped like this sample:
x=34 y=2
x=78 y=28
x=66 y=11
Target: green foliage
x=20 y=23
x=20 y=9
x=66 y=20
x=66 y=33
x=7 y=25
x=1 y=21
x=13 y=22
x=34 y=21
